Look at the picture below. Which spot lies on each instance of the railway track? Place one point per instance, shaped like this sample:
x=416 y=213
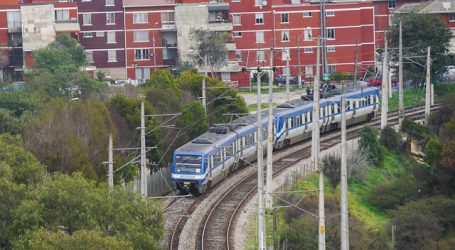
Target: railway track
x=216 y=224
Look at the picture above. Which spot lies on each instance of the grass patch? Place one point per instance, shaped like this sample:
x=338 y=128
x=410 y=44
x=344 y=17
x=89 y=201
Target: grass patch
x=444 y=89
x=253 y=107
x=411 y=97
x=265 y=90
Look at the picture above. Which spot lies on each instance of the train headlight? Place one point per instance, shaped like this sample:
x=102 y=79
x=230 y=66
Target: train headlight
x=199 y=177
x=176 y=176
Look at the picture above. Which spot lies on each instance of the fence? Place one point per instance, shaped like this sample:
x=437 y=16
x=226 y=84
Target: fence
x=160 y=182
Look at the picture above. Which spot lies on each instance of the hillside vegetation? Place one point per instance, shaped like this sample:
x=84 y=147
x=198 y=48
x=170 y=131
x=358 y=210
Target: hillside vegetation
x=399 y=190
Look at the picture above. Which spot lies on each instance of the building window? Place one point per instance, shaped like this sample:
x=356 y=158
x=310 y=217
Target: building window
x=87 y=19
x=260 y=37
x=308 y=50
x=392 y=4
x=330 y=33
x=110 y=18
x=332 y=69
x=452 y=17
x=168 y=17
x=285 y=17
x=330 y=13
x=140 y=18
x=87 y=34
x=285 y=36
x=141 y=54
x=99 y=34
x=307 y=14
x=260 y=56
x=238 y=56
x=285 y=54
x=141 y=36
x=111 y=56
x=330 y=48
x=89 y=56
x=62 y=15
x=308 y=71
x=237 y=34
x=111 y=37
x=236 y=19
x=308 y=34
x=259 y=2
x=110 y=3
x=259 y=18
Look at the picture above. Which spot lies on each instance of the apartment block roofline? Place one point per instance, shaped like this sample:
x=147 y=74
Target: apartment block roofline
x=148 y=3
x=430 y=7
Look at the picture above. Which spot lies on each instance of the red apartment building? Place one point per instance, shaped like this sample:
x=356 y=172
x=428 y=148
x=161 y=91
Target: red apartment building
x=102 y=34
x=129 y=39
x=151 y=37
x=28 y=25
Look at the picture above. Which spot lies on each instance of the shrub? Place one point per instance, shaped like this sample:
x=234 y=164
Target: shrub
x=358 y=164
x=331 y=166
x=433 y=151
x=416 y=131
x=390 y=139
x=395 y=193
x=369 y=141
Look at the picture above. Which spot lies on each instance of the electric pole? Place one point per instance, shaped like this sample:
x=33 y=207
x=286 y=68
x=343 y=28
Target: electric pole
x=268 y=187
x=288 y=72
x=355 y=63
x=261 y=214
x=324 y=36
x=400 y=79
x=204 y=97
x=111 y=163
x=299 y=78
x=315 y=149
x=143 y=155
x=344 y=182
x=154 y=58
x=384 y=86
x=428 y=89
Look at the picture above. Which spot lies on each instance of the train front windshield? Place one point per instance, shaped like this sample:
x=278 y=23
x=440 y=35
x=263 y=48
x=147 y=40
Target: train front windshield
x=188 y=164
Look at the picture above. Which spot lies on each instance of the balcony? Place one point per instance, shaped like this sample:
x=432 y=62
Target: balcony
x=230 y=46
x=14 y=26
x=14 y=40
x=16 y=58
x=71 y=25
x=170 y=56
x=168 y=26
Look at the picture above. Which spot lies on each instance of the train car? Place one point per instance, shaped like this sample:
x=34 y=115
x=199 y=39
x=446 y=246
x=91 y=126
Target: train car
x=210 y=158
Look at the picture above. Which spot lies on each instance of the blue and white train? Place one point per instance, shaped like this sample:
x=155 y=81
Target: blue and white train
x=209 y=158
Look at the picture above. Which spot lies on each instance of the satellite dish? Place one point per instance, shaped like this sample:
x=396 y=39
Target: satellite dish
x=264 y=3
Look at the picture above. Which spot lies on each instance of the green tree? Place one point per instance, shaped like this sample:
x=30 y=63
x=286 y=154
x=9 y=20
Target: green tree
x=81 y=240
x=69 y=204
x=210 y=45
x=71 y=136
x=369 y=141
x=419 y=32
x=56 y=69
x=129 y=110
x=193 y=119
x=19 y=172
